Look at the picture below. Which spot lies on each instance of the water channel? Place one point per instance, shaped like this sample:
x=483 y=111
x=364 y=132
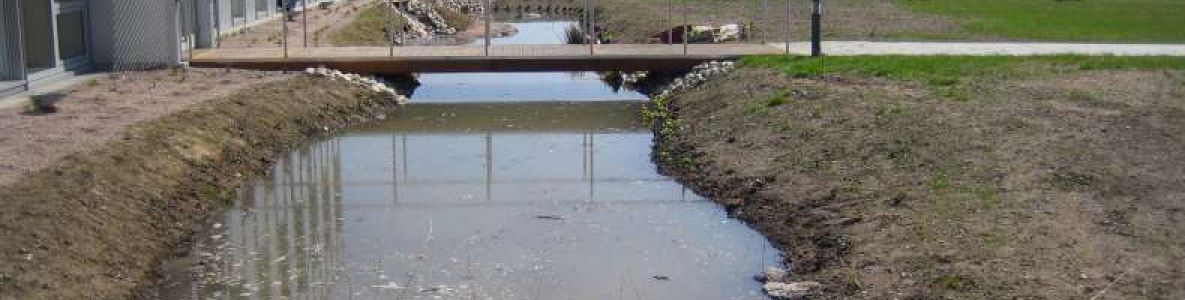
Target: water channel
x=488 y=186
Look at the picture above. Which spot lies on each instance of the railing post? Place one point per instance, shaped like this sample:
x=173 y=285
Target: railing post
x=283 y=20
x=390 y=30
x=686 y=30
x=764 y=19
x=670 y=22
x=592 y=26
x=789 y=24
x=488 y=11
x=816 y=30
x=304 y=20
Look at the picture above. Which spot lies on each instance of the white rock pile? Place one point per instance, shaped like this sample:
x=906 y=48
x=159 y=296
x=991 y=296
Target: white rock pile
x=776 y=287
x=367 y=82
x=466 y=6
x=416 y=29
x=699 y=74
x=634 y=77
x=426 y=11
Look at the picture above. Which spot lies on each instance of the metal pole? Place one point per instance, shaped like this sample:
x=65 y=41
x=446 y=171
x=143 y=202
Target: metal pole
x=686 y=30
x=217 y=24
x=389 y=8
x=587 y=30
x=670 y=22
x=20 y=44
x=304 y=20
x=816 y=30
x=192 y=35
x=488 y=11
x=764 y=19
x=789 y=24
x=592 y=25
x=284 y=21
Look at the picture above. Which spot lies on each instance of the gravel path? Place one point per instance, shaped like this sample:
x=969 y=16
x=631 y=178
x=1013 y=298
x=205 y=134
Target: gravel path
x=944 y=48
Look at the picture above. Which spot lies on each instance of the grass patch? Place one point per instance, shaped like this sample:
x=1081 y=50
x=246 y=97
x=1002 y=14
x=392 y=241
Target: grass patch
x=1065 y=20
x=945 y=71
x=369 y=29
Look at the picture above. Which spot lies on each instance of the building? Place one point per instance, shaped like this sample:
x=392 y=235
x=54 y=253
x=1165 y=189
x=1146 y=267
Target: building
x=41 y=40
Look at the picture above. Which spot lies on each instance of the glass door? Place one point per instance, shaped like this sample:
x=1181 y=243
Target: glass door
x=72 y=34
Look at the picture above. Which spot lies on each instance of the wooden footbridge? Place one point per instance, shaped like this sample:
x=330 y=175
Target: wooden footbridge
x=477 y=58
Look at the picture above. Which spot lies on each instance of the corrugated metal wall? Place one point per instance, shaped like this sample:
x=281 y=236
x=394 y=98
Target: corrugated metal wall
x=145 y=34
x=12 y=66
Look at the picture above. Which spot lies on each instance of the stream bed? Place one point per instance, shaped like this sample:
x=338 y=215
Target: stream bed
x=488 y=186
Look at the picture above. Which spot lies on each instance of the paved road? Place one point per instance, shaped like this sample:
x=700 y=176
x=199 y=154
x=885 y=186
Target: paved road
x=953 y=48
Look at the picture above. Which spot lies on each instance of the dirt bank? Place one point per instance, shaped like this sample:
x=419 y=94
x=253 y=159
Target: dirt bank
x=93 y=224
x=1050 y=182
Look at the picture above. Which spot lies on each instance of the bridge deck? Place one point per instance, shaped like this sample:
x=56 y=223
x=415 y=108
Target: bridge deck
x=502 y=58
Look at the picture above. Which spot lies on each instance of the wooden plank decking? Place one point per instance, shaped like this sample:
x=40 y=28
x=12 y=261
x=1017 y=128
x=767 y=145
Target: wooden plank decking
x=502 y=58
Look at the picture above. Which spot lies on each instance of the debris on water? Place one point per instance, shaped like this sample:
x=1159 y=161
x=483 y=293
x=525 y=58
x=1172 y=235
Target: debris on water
x=217 y=225
x=661 y=277
x=390 y=285
x=549 y=217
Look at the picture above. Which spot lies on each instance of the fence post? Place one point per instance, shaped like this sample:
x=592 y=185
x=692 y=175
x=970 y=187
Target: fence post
x=816 y=30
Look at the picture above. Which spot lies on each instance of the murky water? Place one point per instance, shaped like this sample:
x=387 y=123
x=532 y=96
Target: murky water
x=459 y=197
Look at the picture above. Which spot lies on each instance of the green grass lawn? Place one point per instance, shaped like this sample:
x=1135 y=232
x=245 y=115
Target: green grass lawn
x=948 y=75
x=940 y=69
x=1157 y=21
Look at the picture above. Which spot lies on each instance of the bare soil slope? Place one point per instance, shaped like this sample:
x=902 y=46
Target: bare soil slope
x=94 y=224
x=1067 y=184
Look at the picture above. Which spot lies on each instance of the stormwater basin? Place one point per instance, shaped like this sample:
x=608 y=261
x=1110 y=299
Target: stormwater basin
x=526 y=193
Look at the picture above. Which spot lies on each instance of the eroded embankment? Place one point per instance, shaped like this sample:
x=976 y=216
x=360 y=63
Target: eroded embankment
x=1033 y=186
x=95 y=224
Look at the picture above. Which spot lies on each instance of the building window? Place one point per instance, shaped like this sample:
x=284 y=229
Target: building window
x=71 y=34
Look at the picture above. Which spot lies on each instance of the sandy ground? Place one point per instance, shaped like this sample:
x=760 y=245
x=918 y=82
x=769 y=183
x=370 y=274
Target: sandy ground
x=102 y=109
